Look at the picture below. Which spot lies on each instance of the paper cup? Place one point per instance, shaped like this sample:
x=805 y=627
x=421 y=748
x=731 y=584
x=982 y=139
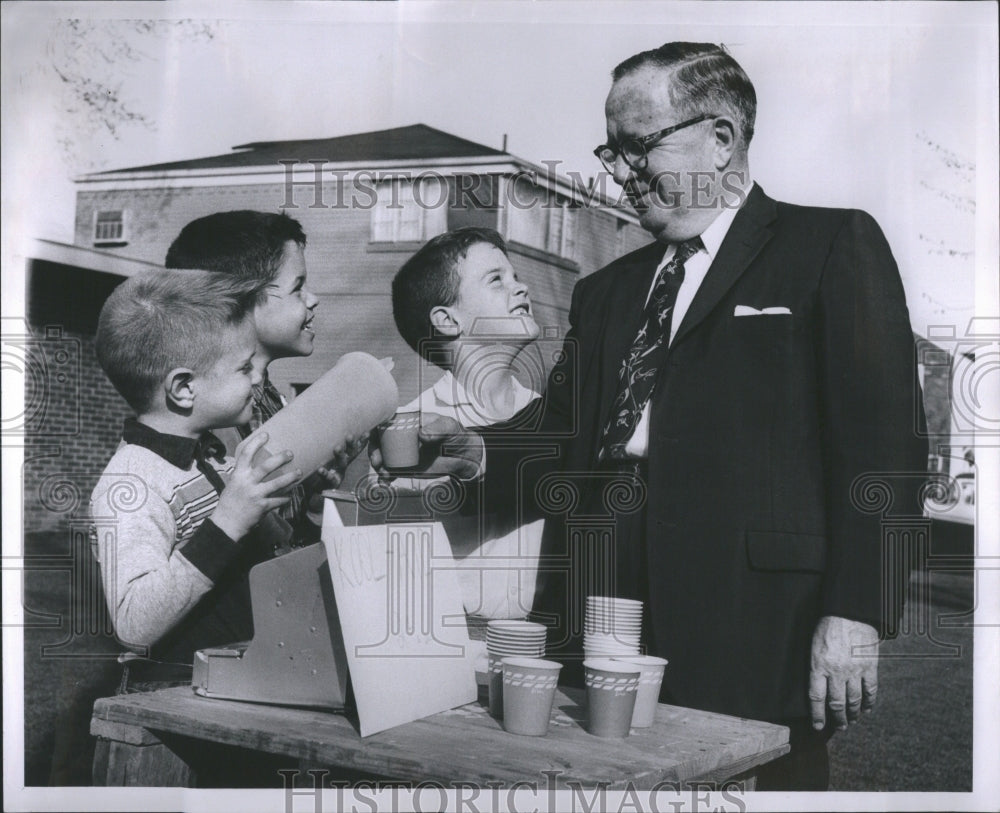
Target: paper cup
x=611 y=691
x=648 y=694
x=529 y=688
x=399 y=443
x=496 y=686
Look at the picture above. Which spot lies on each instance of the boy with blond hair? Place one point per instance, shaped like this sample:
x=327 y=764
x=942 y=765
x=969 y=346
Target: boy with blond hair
x=178 y=523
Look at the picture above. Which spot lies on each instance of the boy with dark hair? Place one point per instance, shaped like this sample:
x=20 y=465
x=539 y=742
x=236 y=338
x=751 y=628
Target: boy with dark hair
x=430 y=280
x=178 y=523
x=268 y=249
x=459 y=303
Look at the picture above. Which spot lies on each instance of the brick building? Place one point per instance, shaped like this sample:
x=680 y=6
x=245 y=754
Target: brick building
x=366 y=202
x=72 y=417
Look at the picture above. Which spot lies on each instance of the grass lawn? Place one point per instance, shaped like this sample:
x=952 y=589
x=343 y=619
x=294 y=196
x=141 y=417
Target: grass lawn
x=918 y=739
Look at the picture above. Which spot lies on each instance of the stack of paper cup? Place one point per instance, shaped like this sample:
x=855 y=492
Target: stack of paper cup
x=511 y=638
x=612 y=627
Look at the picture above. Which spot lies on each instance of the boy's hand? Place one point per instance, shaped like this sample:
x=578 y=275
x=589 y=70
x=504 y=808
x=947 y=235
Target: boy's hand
x=334 y=471
x=332 y=474
x=446 y=448
x=247 y=497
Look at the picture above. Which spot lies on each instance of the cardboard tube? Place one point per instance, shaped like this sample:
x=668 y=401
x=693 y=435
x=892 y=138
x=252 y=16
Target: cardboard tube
x=352 y=398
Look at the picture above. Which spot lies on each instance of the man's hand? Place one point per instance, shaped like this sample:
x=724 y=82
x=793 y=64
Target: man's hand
x=446 y=448
x=843 y=673
x=246 y=497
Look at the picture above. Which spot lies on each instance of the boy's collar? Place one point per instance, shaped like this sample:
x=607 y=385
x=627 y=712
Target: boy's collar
x=450 y=391
x=176 y=450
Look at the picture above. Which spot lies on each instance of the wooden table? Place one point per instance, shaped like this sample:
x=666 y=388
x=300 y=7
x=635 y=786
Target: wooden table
x=146 y=739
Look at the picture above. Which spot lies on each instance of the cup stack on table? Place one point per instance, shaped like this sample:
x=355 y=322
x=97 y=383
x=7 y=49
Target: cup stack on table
x=623 y=686
x=612 y=627
x=510 y=638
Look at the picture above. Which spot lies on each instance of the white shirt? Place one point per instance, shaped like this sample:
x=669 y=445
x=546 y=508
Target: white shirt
x=497 y=576
x=695 y=270
x=448 y=397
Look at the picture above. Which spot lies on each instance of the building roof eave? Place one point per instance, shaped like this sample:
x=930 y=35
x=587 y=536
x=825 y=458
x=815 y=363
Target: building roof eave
x=301 y=171
x=90 y=259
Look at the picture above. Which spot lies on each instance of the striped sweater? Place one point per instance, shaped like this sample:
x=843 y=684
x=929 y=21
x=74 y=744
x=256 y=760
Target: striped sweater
x=173 y=581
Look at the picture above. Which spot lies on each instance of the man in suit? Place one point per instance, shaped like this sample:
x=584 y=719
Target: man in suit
x=741 y=372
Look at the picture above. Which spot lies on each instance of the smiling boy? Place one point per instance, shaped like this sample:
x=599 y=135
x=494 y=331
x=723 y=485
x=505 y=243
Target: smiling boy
x=178 y=523
x=459 y=303
x=268 y=249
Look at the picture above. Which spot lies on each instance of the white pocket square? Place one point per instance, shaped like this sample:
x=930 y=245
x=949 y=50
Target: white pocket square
x=746 y=310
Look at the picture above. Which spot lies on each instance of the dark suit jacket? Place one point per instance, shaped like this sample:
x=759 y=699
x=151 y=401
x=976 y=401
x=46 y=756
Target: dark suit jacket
x=759 y=426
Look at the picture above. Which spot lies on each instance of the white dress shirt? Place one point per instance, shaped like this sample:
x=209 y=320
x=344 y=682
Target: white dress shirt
x=497 y=575
x=695 y=270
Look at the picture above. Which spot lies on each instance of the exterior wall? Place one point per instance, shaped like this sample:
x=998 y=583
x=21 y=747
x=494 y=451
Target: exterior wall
x=73 y=416
x=601 y=238
x=350 y=274
x=474 y=201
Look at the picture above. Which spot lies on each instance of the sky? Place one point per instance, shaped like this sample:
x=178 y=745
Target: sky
x=872 y=106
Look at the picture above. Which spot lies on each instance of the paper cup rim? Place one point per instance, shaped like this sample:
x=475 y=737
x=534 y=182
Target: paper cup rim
x=625 y=602
x=609 y=665
x=532 y=663
x=642 y=660
x=514 y=623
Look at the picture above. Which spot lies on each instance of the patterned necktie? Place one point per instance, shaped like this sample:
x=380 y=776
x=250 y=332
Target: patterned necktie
x=639 y=367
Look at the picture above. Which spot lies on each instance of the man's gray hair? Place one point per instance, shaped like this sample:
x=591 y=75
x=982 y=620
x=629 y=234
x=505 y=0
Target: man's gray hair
x=704 y=78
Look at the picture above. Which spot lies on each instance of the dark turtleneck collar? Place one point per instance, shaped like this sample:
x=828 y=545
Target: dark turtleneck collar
x=176 y=450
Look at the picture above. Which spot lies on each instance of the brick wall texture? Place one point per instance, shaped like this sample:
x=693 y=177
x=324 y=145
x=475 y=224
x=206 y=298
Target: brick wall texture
x=73 y=417
x=350 y=275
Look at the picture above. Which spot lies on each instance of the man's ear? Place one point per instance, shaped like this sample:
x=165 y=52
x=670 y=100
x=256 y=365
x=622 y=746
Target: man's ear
x=178 y=387
x=725 y=141
x=445 y=322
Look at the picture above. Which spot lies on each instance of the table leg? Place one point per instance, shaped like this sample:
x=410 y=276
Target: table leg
x=131 y=756
x=742 y=774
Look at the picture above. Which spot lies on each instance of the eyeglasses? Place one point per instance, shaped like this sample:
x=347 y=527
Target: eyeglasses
x=633 y=150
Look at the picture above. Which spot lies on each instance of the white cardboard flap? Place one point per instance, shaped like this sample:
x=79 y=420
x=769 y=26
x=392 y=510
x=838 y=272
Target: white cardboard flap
x=402 y=619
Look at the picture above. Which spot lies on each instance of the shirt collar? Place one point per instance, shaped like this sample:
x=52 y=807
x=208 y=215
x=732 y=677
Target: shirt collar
x=717 y=230
x=265 y=389
x=448 y=391
x=176 y=450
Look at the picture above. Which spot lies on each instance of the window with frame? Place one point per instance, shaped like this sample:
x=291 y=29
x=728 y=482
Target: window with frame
x=541 y=220
x=562 y=230
x=109 y=227
x=405 y=212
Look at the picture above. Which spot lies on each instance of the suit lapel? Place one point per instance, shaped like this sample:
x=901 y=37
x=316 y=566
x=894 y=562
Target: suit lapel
x=749 y=233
